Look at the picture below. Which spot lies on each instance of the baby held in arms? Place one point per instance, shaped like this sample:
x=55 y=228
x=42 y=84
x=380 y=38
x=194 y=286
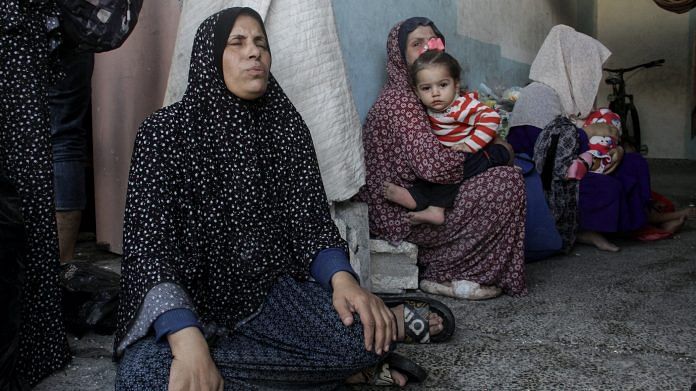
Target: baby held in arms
x=459 y=122
x=603 y=129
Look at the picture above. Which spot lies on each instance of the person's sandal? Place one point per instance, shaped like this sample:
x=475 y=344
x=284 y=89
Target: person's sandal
x=416 y=311
x=380 y=375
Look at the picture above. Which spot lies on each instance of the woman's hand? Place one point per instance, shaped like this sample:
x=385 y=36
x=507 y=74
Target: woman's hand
x=508 y=146
x=378 y=321
x=192 y=367
x=462 y=148
x=616 y=157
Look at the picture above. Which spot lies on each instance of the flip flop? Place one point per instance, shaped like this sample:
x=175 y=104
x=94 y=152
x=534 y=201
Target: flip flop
x=461 y=289
x=380 y=375
x=649 y=233
x=416 y=310
x=406 y=366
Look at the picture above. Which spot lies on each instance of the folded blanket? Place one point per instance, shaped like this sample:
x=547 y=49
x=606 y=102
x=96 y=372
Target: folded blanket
x=308 y=64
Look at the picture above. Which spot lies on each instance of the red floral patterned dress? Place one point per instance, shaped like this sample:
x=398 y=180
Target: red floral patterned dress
x=482 y=239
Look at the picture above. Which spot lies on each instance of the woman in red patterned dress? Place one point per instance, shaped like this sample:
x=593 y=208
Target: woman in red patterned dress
x=479 y=251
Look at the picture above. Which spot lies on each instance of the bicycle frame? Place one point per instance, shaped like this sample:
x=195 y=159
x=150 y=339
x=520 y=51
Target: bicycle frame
x=622 y=103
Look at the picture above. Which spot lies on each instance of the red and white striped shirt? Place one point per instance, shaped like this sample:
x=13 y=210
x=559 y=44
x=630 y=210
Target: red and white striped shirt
x=466 y=121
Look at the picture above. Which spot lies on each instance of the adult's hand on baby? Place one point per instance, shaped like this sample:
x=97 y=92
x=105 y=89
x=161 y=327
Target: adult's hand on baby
x=501 y=141
x=616 y=157
x=461 y=148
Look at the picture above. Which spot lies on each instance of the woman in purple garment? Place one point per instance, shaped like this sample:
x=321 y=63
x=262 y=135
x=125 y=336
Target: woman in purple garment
x=566 y=74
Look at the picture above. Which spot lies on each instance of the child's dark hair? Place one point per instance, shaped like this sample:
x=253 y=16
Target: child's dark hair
x=430 y=58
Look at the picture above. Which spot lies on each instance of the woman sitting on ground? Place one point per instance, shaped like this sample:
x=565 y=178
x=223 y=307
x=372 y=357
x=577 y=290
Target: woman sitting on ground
x=478 y=252
x=566 y=74
x=223 y=227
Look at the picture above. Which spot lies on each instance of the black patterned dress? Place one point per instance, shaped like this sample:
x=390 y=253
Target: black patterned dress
x=226 y=203
x=25 y=156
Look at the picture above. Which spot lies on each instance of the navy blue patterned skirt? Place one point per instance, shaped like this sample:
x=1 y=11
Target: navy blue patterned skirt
x=296 y=341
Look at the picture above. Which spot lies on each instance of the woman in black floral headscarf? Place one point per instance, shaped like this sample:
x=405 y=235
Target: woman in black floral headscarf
x=226 y=218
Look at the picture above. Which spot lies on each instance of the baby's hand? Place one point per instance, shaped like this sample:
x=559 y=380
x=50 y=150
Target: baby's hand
x=462 y=148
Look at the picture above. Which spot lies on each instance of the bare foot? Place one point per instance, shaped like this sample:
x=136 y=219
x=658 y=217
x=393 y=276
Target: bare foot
x=431 y=215
x=656 y=217
x=399 y=195
x=675 y=225
x=691 y=212
x=598 y=240
x=397 y=377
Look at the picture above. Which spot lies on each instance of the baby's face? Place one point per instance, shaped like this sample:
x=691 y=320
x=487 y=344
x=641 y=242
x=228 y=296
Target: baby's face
x=436 y=88
x=602 y=129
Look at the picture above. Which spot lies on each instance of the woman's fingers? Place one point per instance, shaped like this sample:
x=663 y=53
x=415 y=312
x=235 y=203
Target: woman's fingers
x=380 y=328
x=390 y=328
x=368 y=322
x=344 y=311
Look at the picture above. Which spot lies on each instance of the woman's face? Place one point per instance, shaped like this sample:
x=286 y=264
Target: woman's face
x=416 y=40
x=246 y=61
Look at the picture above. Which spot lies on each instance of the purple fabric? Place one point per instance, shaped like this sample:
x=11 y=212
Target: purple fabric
x=522 y=139
x=616 y=202
x=607 y=203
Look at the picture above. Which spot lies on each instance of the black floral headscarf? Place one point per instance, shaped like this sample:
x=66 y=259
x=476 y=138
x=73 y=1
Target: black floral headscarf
x=224 y=194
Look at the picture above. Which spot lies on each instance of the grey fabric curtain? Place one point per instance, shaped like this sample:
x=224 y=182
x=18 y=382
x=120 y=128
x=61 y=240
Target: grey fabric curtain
x=677 y=6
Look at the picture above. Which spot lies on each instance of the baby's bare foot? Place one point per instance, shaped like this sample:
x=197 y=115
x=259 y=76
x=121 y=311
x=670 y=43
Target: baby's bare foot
x=431 y=215
x=675 y=225
x=399 y=195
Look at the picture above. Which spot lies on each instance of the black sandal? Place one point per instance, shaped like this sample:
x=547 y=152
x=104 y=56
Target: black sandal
x=416 y=311
x=414 y=372
x=380 y=375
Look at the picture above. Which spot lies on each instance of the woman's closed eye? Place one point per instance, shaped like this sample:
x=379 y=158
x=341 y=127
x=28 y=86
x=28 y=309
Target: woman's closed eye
x=261 y=43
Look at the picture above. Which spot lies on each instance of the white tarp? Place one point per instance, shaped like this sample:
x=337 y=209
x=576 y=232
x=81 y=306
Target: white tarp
x=308 y=64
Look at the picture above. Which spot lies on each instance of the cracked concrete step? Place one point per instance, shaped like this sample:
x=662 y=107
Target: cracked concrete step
x=393 y=268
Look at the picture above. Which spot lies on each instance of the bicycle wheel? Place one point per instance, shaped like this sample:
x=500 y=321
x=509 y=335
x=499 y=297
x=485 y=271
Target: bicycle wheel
x=632 y=128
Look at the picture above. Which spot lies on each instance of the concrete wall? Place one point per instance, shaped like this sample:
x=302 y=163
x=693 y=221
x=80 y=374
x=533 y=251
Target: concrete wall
x=637 y=31
x=494 y=40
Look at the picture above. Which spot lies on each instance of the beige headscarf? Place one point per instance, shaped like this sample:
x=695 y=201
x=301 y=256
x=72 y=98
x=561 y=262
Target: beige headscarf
x=571 y=63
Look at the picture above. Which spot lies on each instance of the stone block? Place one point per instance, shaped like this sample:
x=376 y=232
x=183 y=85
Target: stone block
x=394 y=268
x=352 y=223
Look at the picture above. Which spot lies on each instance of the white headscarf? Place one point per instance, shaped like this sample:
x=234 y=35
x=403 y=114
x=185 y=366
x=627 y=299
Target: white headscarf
x=571 y=63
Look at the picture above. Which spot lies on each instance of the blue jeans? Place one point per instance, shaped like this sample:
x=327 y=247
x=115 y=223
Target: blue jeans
x=69 y=102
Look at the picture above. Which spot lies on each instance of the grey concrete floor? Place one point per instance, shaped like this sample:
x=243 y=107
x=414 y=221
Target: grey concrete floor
x=592 y=321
